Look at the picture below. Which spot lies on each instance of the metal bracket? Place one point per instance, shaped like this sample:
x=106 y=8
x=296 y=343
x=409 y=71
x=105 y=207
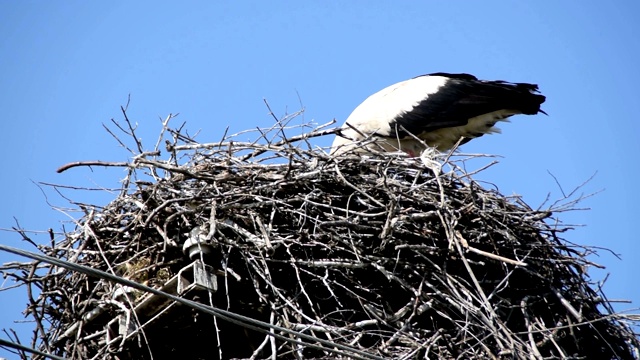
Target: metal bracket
x=195 y=277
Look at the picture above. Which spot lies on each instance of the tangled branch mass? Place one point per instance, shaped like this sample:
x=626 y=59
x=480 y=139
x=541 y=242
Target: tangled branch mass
x=384 y=256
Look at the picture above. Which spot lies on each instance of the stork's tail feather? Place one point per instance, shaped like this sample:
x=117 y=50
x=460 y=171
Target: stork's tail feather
x=525 y=97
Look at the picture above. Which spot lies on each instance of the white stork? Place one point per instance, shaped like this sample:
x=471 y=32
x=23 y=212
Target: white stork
x=437 y=110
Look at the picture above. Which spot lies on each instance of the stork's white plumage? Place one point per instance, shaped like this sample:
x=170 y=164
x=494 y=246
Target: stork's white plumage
x=437 y=110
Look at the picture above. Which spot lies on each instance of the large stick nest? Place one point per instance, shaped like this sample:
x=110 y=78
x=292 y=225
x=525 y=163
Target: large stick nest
x=397 y=257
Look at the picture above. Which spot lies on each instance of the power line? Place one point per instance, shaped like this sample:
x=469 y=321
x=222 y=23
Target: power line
x=15 y=345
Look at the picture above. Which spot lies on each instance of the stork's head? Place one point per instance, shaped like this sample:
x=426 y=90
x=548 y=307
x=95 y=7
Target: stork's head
x=351 y=139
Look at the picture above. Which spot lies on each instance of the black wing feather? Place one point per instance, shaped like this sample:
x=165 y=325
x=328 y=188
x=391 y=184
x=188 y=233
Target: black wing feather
x=463 y=97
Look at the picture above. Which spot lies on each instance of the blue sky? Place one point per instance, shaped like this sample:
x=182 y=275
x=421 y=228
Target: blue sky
x=67 y=67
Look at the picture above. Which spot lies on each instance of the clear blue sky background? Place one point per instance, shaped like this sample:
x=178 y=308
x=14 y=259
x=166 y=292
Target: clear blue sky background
x=66 y=67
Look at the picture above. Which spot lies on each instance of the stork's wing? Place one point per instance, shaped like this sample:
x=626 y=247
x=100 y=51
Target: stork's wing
x=462 y=97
